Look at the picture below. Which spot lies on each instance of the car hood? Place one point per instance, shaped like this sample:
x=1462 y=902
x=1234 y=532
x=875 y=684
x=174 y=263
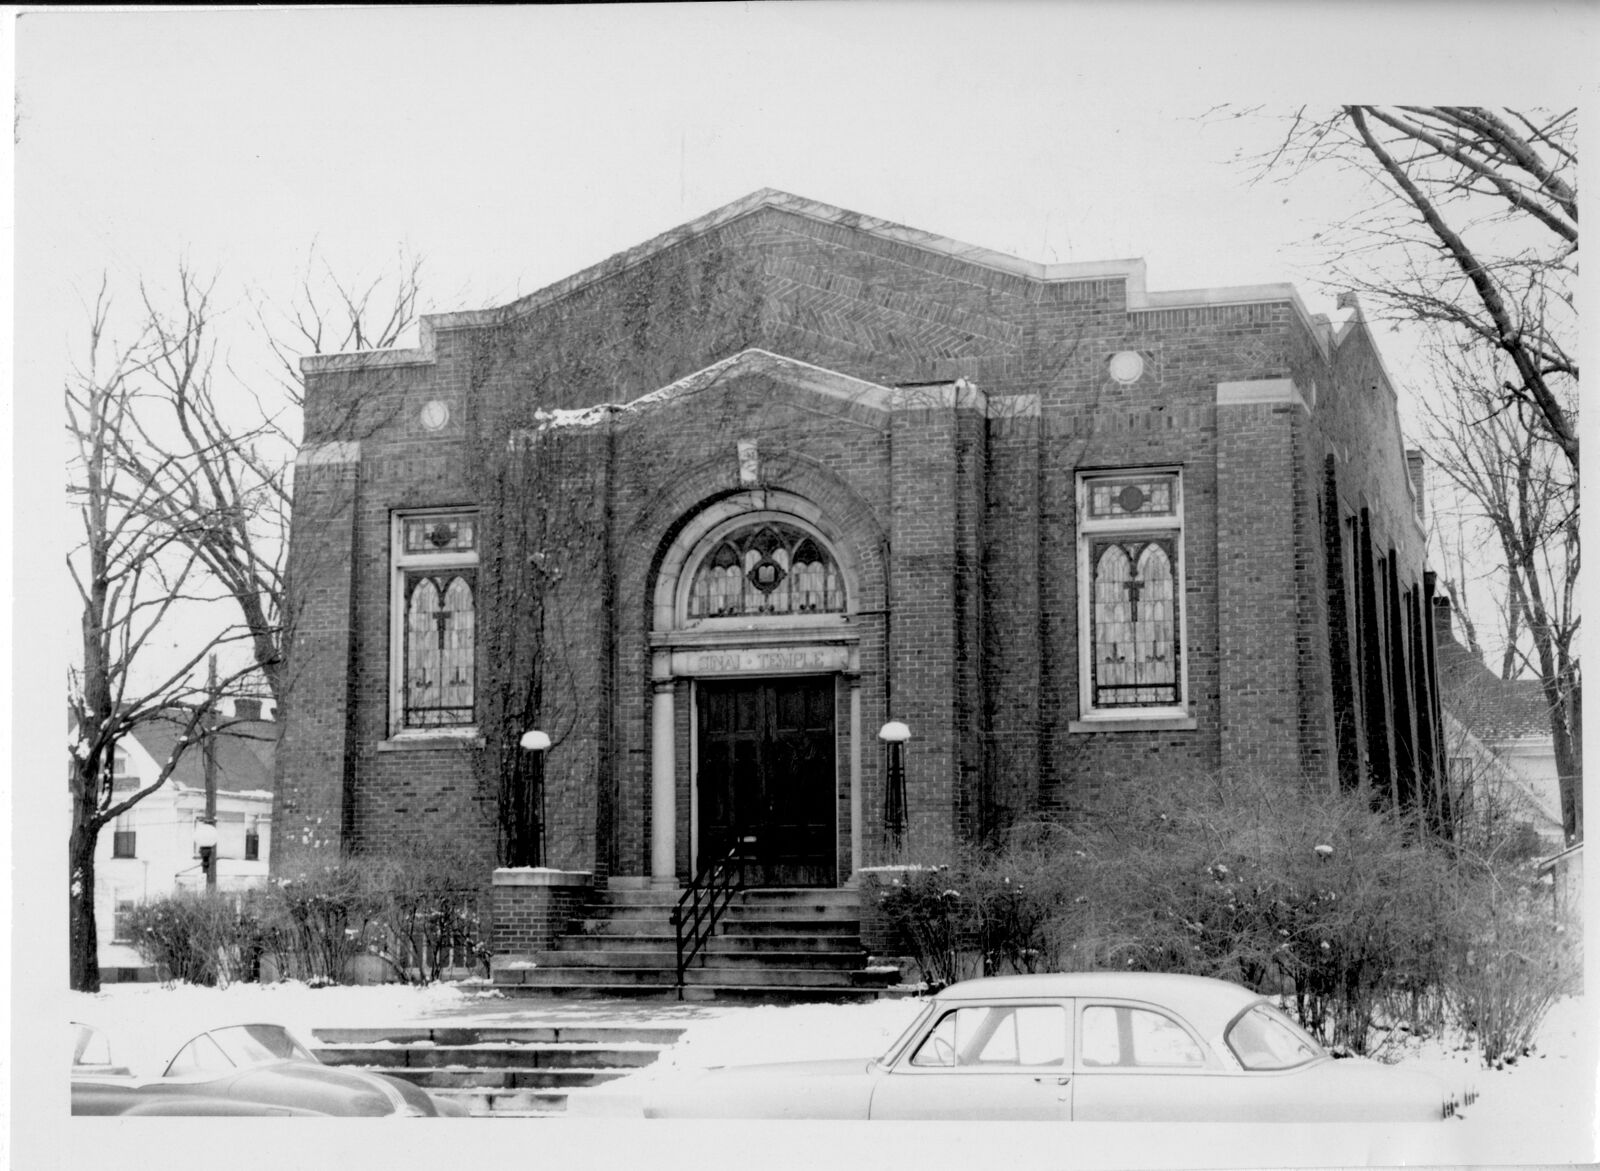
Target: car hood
x=1380 y=1092
x=322 y=1087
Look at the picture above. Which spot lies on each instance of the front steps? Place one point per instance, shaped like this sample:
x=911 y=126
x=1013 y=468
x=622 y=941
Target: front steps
x=499 y=1071
x=772 y=944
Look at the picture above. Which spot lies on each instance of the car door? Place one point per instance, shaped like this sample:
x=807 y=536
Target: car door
x=1003 y=1061
x=1140 y=1062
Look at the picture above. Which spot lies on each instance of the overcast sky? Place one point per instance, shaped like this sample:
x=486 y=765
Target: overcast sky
x=508 y=147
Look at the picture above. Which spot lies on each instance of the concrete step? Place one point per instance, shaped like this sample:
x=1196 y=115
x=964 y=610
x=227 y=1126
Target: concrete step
x=447 y=1035
x=711 y=973
x=733 y=943
x=508 y=1079
x=754 y=925
x=488 y=1056
x=510 y=1071
x=667 y=957
x=515 y=1103
x=734 y=993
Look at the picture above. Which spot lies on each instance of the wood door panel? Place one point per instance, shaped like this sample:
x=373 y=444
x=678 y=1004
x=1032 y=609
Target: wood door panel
x=768 y=773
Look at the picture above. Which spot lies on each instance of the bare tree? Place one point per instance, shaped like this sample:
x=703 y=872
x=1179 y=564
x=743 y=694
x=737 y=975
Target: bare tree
x=209 y=454
x=1472 y=227
x=1522 y=490
x=132 y=575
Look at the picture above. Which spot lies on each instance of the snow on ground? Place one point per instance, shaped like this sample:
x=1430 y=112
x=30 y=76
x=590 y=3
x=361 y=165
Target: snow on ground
x=1540 y=1110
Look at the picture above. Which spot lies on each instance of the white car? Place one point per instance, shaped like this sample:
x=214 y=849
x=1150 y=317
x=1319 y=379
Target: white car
x=1086 y=1047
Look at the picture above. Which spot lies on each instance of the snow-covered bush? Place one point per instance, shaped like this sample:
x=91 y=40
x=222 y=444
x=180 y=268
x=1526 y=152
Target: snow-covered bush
x=424 y=919
x=935 y=920
x=314 y=922
x=1515 y=957
x=1358 y=916
x=198 y=938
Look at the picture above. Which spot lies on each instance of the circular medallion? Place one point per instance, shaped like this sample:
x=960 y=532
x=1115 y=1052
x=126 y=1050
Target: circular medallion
x=435 y=415
x=1126 y=366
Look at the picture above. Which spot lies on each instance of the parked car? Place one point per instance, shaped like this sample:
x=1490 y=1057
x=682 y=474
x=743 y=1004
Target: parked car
x=1089 y=1047
x=236 y=1069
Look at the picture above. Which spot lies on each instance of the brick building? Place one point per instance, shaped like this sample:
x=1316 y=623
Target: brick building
x=713 y=511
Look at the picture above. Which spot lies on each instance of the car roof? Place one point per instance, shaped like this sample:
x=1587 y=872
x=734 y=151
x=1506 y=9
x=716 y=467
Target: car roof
x=1206 y=1003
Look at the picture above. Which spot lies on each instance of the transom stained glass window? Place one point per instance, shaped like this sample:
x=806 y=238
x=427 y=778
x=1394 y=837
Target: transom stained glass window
x=440 y=534
x=1129 y=496
x=1130 y=546
x=766 y=569
x=436 y=557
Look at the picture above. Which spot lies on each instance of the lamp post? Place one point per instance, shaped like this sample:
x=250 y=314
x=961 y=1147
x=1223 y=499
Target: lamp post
x=538 y=743
x=205 y=837
x=896 y=817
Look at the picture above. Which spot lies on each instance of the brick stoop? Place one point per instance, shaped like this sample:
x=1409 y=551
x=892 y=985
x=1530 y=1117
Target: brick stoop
x=772 y=944
x=499 y=1071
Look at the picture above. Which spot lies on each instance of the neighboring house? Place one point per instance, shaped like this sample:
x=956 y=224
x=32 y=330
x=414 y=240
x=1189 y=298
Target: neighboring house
x=787 y=474
x=1507 y=717
x=150 y=851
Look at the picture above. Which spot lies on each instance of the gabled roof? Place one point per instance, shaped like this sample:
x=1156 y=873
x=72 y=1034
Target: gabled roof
x=244 y=754
x=1494 y=709
x=1132 y=271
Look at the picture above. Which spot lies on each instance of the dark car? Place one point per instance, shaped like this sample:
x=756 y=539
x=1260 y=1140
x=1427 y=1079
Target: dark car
x=240 y=1069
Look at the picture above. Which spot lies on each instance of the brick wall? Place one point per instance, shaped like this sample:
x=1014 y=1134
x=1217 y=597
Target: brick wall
x=531 y=908
x=961 y=520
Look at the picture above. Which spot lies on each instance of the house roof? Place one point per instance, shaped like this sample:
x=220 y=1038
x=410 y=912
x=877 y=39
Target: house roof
x=1494 y=709
x=244 y=754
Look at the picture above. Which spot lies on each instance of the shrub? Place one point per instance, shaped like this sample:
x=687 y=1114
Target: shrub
x=934 y=919
x=198 y=938
x=423 y=919
x=1516 y=957
x=316 y=921
x=1358 y=916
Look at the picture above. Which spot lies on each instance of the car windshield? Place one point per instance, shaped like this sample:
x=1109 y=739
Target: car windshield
x=236 y=1047
x=252 y=1044
x=1264 y=1038
x=911 y=1030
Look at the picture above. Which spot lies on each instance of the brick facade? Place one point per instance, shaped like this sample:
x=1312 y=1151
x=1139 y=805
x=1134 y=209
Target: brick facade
x=927 y=409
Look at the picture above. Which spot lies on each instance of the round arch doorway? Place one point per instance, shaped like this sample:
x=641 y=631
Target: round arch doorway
x=754 y=609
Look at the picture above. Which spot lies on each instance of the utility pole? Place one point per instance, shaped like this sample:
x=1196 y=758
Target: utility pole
x=208 y=854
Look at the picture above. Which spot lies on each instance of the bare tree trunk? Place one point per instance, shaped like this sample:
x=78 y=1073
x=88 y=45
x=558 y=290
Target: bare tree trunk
x=84 y=960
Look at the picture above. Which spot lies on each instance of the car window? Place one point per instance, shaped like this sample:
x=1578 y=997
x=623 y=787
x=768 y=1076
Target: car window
x=996 y=1035
x=1264 y=1038
x=253 y=1044
x=199 y=1056
x=1124 y=1036
x=90 y=1047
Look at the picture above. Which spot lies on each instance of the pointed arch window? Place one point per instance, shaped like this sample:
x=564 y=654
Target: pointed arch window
x=1130 y=544
x=766 y=569
x=436 y=556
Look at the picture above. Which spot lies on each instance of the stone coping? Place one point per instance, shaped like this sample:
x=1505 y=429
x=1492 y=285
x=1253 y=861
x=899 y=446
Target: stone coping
x=541 y=876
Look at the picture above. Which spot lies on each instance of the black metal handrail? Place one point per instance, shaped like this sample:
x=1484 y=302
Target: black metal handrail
x=700 y=905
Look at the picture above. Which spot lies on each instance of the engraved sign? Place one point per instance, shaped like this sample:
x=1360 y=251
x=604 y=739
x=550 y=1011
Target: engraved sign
x=777 y=660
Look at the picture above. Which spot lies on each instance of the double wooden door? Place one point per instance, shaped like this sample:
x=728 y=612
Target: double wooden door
x=768 y=779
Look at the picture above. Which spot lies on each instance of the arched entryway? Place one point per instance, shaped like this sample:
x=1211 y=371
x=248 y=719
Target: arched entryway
x=754 y=612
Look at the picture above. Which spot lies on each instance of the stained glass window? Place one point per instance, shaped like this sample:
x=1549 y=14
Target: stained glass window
x=436 y=583
x=768 y=568
x=1134 y=622
x=439 y=649
x=1130 y=549
x=440 y=534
